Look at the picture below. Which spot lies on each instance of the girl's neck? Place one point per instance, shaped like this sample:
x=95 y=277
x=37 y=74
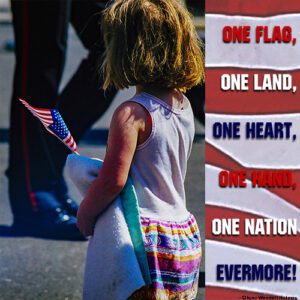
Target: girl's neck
x=172 y=97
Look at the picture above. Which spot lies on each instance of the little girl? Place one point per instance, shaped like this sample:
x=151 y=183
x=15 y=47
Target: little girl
x=153 y=45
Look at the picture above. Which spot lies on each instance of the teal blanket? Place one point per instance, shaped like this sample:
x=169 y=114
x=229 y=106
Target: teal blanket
x=131 y=213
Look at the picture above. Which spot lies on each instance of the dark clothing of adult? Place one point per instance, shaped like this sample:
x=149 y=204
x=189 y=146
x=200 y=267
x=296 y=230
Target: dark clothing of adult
x=36 y=159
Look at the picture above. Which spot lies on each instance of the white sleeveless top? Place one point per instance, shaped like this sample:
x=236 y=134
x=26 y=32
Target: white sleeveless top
x=159 y=165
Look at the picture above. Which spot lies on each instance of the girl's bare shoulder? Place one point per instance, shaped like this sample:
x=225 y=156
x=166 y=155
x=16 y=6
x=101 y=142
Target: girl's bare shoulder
x=131 y=111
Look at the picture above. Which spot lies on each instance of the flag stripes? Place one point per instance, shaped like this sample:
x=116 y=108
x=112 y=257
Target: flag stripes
x=230 y=102
x=259 y=8
x=53 y=122
x=272 y=56
x=250 y=150
x=232 y=254
x=257 y=201
x=267 y=243
x=253 y=59
x=219 y=159
x=212 y=292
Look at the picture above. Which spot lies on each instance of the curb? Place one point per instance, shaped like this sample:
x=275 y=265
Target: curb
x=5 y=12
x=5 y=18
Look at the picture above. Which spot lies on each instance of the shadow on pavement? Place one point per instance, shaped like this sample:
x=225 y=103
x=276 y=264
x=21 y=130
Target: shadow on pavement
x=6 y=231
x=9 y=232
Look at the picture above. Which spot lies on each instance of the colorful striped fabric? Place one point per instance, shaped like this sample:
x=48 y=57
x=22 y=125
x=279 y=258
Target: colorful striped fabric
x=174 y=255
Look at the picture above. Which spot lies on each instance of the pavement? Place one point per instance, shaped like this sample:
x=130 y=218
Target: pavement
x=36 y=269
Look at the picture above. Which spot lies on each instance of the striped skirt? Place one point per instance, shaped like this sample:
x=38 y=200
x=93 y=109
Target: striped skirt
x=174 y=254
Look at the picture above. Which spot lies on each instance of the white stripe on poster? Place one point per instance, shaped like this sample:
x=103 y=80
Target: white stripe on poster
x=220 y=253
x=267 y=145
x=258 y=201
x=252 y=55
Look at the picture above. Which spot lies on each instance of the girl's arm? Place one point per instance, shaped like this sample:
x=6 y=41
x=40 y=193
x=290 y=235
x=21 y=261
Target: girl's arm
x=126 y=131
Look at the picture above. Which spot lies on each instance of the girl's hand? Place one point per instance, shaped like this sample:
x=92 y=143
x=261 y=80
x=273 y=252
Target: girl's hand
x=85 y=221
x=126 y=131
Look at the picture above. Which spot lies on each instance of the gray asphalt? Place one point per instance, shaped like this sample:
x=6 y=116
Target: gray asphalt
x=33 y=268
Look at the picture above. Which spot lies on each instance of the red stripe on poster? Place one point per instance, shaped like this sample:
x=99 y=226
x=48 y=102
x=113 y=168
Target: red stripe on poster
x=217 y=158
x=253 y=8
x=212 y=292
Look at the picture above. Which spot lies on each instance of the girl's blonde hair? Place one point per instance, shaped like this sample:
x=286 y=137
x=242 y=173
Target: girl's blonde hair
x=151 y=42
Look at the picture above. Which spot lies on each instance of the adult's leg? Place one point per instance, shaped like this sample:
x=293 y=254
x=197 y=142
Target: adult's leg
x=83 y=101
x=41 y=34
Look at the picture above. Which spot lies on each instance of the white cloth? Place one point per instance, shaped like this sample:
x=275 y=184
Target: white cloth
x=112 y=270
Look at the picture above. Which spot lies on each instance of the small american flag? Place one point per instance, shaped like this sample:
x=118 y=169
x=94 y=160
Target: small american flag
x=54 y=123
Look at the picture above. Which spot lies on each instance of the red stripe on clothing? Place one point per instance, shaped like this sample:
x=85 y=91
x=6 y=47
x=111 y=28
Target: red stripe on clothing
x=252 y=8
x=25 y=58
x=249 y=102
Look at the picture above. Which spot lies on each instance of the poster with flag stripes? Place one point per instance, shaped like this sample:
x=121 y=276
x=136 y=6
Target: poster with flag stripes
x=252 y=149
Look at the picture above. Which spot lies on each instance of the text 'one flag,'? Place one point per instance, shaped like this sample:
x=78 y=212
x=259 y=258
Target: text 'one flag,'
x=54 y=123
